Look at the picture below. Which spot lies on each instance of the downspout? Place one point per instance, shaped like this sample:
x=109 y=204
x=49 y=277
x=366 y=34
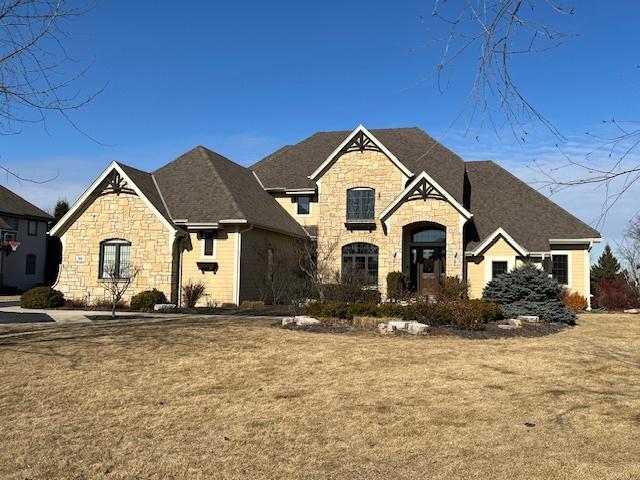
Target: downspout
x=238 y=261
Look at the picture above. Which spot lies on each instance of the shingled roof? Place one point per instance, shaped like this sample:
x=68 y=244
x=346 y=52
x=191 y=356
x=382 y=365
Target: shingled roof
x=499 y=199
x=13 y=204
x=202 y=186
x=289 y=167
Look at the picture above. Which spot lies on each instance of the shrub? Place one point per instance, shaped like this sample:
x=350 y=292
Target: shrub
x=192 y=292
x=526 y=283
x=549 y=311
x=107 y=304
x=397 y=284
x=252 y=304
x=468 y=314
x=75 y=304
x=574 y=301
x=527 y=290
x=342 y=292
x=615 y=295
x=42 y=297
x=147 y=299
x=452 y=289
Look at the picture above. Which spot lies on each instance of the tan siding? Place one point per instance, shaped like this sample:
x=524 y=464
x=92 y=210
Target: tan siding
x=254 y=261
x=219 y=285
x=477 y=277
x=579 y=262
x=123 y=216
x=291 y=207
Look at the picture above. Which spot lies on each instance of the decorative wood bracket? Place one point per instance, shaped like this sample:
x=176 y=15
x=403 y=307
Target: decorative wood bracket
x=424 y=190
x=116 y=184
x=360 y=143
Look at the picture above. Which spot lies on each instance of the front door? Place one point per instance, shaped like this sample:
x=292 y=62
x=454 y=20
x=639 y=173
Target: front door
x=427 y=269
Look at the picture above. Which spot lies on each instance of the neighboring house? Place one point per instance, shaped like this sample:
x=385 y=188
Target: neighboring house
x=23 y=222
x=377 y=201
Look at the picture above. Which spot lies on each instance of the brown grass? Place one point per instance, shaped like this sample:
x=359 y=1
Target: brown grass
x=240 y=399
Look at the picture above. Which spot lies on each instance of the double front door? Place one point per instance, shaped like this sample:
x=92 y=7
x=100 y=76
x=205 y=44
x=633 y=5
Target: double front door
x=427 y=269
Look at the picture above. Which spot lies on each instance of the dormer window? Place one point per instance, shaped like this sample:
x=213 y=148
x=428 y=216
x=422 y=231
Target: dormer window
x=361 y=204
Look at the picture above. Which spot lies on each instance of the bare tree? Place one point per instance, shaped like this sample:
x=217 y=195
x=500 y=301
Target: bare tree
x=317 y=262
x=38 y=76
x=629 y=251
x=117 y=280
x=490 y=36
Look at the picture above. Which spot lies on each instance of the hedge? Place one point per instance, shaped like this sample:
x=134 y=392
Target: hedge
x=42 y=297
x=147 y=299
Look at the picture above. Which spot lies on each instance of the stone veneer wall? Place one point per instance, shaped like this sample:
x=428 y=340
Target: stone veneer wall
x=124 y=216
x=375 y=170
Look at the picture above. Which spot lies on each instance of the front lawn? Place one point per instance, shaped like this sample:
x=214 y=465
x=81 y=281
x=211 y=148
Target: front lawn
x=237 y=398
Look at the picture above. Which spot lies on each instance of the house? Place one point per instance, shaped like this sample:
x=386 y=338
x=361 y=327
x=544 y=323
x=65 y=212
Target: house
x=23 y=222
x=376 y=201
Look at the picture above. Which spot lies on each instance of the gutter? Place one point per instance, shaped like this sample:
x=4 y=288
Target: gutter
x=236 y=293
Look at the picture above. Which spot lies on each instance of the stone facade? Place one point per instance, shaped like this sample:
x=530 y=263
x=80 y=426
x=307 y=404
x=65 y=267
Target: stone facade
x=375 y=170
x=124 y=216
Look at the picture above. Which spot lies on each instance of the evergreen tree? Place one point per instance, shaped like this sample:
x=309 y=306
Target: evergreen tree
x=607 y=268
x=61 y=208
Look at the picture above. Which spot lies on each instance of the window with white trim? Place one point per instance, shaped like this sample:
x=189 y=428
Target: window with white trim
x=304 y=205
x=115 y=259
x=560 y=268
x=32 y=228
x=499 y=268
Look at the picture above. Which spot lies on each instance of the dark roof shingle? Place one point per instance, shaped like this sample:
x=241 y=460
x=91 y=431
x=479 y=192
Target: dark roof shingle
x=202 y=186
x=499 y=199
x=290 y=166
x=13 y=204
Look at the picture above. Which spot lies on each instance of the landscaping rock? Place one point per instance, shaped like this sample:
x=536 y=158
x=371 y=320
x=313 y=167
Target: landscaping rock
x=633 y=310
x=529 y=318
x=507 y=327
x=515 y=322
x=416 y=328
x=385 y=329
x=288 y=321
x=399 y=324
x=303 y=321
x=163 y=307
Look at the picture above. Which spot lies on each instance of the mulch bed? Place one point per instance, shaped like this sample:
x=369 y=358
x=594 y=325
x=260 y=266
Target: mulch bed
x=490 y=330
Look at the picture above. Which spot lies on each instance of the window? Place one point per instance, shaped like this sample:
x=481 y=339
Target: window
x=359 y=259
x=560 y=268
x=208 y=243
x=8 y=236
x=30 y=268
x=32 y=228
x=115 y=259
x=361 y=203
x=304 y=205
x=11 y=221
x=498 y=268
x=429 y=235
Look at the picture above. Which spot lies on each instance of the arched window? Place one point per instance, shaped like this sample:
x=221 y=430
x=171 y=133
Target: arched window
x=361 y=203
x=30 y=268
x=360 y=259
x=433 y=235
x=115 y=259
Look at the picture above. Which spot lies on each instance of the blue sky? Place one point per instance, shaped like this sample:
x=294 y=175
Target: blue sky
x=246 y=78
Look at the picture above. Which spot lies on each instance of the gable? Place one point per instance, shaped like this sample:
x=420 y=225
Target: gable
x=423 y=187
x=360 y=140
x=115 y=180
